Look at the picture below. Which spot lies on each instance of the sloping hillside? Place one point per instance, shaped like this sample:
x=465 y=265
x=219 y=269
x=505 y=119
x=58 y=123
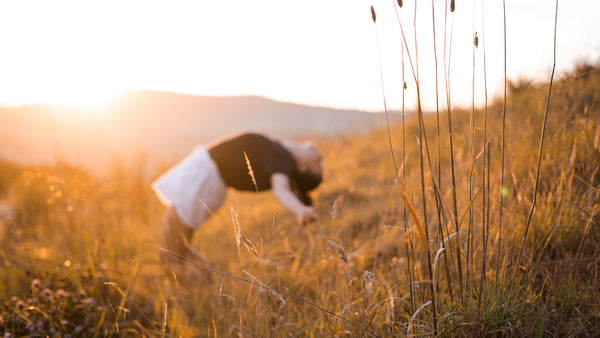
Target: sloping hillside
x=160 y=126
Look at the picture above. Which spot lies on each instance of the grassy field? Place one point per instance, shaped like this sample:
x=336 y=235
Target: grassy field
x=79 y=256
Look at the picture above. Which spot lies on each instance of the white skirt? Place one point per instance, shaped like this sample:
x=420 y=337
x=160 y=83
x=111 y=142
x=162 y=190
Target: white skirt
x=193 y=188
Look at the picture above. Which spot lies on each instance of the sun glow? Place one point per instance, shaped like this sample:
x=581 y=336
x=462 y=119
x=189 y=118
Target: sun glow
x=81 y=53
x=89 y=101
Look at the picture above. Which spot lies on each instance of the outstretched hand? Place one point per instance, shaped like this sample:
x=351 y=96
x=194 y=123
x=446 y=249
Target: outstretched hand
x=281 y=187
x=306 y=215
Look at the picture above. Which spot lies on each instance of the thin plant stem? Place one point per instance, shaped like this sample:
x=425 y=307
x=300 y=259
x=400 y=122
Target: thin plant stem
x=541 y=147
x=469 y=253
x=502 y=157
x=421 y=138
x=387 y=119
x=449 y=107
x=486 y=164
x=422 y=160
x=424 y=201
x=396 y=170
x=439 y=155
x=404 y=212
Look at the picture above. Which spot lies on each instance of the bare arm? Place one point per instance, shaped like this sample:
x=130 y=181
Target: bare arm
x=281 y=188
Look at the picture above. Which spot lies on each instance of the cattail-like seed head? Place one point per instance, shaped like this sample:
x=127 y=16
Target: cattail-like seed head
x=452 y=5
x=400 y=3
x=476 y=40
x=405 y=86
x=373 y=16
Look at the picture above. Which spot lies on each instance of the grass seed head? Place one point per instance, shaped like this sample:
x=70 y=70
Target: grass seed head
x=400 y=3
x=236 y=227
x=331 y=245
x=373 y=16
x=250 y=171
x=476 y=40
x=452 y=6
x=251 y=248
x=368 y=279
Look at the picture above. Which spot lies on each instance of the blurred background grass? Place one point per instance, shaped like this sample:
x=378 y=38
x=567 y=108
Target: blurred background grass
x=79 y=255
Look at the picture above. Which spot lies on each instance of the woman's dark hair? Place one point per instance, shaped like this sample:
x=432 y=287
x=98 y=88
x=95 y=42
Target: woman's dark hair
x=303 y=182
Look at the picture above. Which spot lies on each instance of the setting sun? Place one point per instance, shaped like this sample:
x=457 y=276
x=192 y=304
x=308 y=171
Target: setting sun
x=91 y=100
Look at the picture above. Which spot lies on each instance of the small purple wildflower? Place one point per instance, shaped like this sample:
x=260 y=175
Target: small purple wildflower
x=35 y=283
x=20 y=305
x=29 y=326
x=47 y=294
x=89 y=301
x=60 y=294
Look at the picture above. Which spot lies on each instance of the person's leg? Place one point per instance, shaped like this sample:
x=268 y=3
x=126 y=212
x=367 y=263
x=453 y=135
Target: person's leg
x=175 y=238
x=178 y=256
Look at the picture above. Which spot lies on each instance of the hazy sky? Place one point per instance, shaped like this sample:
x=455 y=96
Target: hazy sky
x=315 y=52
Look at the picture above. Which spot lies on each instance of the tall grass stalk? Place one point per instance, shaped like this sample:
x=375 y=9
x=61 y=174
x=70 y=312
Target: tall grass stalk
x=387 y=119
x=447 y=56
x=502 y=150
x=423 y=139
x=486 y=165
x=541 y=147
x=409 y=244
x=389 y=135
x=438 y=199
x=469 y=251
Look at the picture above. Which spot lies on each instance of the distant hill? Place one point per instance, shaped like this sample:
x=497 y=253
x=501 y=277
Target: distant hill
x=161 y=127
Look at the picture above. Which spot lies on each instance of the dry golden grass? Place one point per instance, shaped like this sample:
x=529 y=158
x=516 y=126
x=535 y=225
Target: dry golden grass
x=80 y=256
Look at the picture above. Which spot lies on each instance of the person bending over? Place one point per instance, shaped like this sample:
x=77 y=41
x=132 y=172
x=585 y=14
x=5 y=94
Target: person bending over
x=197 y=186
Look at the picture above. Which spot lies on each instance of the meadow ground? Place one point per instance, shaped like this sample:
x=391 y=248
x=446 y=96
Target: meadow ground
x=392 y=253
